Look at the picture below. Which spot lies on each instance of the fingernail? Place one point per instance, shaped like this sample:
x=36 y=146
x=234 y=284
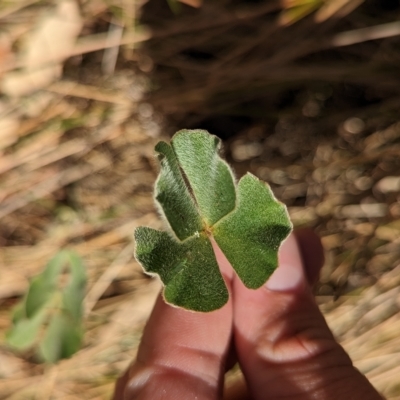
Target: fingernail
x=285 y=278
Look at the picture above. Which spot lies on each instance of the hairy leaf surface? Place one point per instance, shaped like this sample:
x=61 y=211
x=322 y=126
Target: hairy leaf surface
x=196 y=193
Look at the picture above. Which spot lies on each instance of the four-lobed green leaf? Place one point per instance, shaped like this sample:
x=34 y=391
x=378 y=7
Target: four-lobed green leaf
x=196 y=193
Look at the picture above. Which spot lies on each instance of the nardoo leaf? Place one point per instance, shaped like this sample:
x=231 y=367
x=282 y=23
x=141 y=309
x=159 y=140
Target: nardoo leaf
x=197 y=195
x=49 y=318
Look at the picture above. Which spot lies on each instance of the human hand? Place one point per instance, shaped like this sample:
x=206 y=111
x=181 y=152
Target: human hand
x=276 y=333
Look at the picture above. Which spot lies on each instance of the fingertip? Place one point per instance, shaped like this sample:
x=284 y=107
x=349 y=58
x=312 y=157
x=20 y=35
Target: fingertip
x=290 y=273
x=301 y=258
x=312 y=253
x=279 y=330
x=289 y=251
x=223 y=263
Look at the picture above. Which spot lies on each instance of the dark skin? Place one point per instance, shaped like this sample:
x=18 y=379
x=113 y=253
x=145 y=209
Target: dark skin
x=276 y=333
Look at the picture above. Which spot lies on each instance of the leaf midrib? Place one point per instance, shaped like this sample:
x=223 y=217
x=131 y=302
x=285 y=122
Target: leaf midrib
x=207 y=229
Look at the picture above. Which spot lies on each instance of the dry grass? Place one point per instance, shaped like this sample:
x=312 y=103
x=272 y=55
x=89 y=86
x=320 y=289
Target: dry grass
x=235 y=59
x=77 y=168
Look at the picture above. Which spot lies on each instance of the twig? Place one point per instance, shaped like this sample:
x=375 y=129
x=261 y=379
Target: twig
x=365 y=34
x=88 y=44
x=107 y=277
x=69 y=88
x=102 y=41
x=49 y=381
x=49 y=186
x=110 y=55
x=16 y=7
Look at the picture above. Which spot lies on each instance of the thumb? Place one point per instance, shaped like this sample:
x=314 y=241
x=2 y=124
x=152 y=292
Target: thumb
x=284 y=346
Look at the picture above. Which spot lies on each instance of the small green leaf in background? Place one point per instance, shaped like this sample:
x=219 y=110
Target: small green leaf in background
x=197 y=195
x=49 y=317
x=295 y=10
x=174 y=5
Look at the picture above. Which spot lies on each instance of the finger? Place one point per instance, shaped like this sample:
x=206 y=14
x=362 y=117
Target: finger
x=284 y=345
x=311 y=252
x=182 y=354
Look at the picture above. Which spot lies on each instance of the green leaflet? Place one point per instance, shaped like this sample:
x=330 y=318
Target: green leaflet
x=25 y=332
x=196 y=193
x=62 y=339
x=173 y=195
x=197 y=153
x=250 y=236
x=188 y=269
x=49 y=317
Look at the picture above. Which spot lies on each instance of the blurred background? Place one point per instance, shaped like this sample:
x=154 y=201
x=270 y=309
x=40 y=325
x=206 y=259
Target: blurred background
x=305 y=95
